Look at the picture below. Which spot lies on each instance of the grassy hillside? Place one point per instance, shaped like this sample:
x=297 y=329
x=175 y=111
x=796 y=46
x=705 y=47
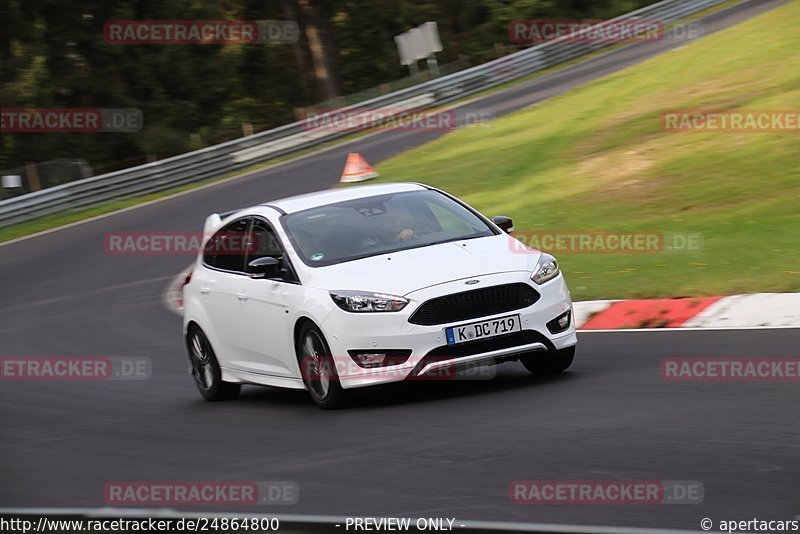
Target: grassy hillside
x=597 y=159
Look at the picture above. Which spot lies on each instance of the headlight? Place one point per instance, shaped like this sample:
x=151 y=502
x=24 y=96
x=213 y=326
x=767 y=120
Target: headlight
x=363 y=301
x=545 y=270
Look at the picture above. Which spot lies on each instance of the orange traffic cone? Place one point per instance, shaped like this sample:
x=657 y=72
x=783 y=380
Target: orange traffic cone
x=356 y=169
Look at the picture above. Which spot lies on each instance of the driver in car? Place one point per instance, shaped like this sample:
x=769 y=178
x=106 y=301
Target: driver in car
x=387 y=229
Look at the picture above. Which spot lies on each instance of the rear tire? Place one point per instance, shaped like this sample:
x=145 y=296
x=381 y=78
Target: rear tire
x=318 y=369
x=205 y=369
x=551 y=362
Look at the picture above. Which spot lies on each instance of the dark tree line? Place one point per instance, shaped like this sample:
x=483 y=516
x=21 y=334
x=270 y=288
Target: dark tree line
x=53 y=54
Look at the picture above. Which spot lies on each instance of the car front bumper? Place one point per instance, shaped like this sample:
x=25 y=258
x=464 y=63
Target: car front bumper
x=431 y=357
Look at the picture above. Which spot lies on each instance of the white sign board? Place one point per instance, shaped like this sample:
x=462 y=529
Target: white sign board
x=404 y=48
x=12 y=181
x=430 y=37
x=418 y=43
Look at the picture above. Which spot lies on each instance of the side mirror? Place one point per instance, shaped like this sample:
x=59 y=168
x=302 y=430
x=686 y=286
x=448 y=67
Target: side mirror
x=505 y=223
x=263 y=267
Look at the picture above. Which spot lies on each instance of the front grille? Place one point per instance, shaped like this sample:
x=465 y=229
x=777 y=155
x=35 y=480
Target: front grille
x=475 y=303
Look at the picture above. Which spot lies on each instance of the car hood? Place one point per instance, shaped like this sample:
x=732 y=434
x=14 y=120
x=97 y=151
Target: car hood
x=402 y=272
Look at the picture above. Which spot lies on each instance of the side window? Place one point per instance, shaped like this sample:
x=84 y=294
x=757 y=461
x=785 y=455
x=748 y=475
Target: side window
x=228 y=247
x=262 y=242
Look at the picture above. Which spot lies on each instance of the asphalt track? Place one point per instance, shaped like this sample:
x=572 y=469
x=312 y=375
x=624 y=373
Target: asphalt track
x=435 y=449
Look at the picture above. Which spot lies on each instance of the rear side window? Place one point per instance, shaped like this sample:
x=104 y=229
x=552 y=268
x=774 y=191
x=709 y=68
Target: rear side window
x=228 y=247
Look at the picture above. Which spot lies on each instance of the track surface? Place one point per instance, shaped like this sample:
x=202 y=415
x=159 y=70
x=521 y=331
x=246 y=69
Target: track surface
x=445 y=449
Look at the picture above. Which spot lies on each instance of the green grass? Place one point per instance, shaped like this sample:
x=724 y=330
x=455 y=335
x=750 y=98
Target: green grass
x=597 y=159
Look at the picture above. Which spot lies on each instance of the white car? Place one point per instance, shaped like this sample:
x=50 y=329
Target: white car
x=367 y=285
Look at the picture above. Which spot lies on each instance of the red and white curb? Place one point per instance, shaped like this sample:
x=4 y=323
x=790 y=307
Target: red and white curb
x=759 y=310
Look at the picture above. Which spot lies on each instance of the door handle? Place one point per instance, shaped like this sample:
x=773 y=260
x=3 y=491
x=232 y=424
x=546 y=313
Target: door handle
x=241 y=295
x=205 y=290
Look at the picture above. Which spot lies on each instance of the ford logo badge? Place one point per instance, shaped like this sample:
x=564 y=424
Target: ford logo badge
x=471 y=282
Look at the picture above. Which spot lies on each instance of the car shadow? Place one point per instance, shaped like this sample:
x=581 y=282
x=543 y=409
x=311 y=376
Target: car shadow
x=413 y=392
x=406 y=393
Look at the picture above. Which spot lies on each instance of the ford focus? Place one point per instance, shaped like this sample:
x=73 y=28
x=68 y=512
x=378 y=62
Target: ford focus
x=367 y=285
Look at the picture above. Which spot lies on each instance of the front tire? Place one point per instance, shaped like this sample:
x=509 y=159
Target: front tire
x=205 y=369
x=318 y=369
x=549 y=363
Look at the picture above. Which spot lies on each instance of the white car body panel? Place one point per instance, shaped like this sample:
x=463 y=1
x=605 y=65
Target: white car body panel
x=432 y=265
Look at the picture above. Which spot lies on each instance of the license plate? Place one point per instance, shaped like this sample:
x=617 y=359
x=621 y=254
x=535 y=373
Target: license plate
x=483 y=329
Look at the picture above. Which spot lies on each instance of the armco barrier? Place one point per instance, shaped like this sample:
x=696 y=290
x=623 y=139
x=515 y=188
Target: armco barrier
x=215 y=161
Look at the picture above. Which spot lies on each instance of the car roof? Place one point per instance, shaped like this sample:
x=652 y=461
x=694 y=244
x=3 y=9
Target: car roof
x=331 y=196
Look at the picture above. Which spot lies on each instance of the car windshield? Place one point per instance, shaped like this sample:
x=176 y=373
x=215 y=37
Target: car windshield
x=364 y=227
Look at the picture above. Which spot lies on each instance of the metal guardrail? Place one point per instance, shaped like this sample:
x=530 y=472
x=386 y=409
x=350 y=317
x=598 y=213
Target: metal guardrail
x=216 y=161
